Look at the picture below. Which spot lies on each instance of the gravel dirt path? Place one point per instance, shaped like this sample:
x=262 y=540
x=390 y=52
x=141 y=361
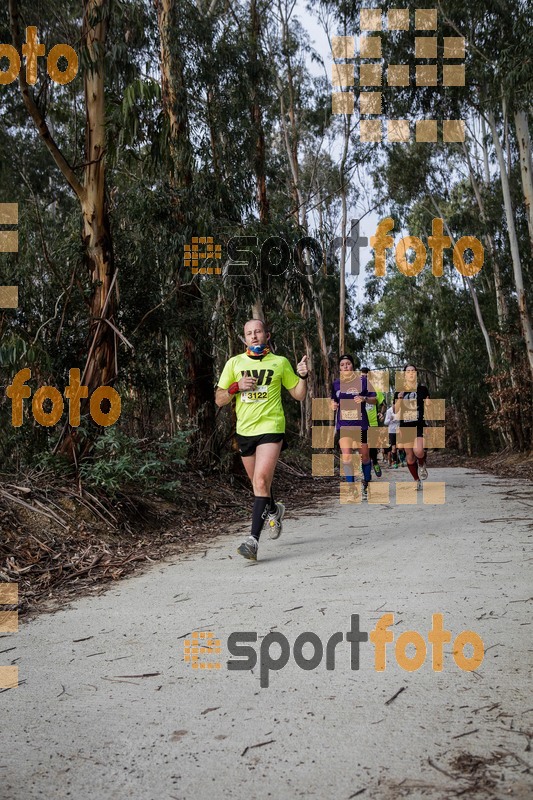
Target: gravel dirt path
x=107 y=707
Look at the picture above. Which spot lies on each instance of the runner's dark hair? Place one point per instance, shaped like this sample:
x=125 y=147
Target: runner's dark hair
x=350 y=358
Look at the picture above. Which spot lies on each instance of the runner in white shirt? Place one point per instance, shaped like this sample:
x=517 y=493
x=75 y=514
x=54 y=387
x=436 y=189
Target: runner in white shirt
x=393 y=423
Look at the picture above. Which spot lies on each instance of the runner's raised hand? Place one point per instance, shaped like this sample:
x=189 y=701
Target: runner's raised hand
x=302 y=369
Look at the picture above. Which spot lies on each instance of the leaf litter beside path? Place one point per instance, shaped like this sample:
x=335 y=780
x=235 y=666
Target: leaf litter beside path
x=59 y=543
x=506 y=464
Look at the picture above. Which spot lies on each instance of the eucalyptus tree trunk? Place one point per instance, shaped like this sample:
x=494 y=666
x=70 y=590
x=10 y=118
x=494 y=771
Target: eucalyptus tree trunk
x=501 y=303
x=524 y=147
x=301 y=218
x=96 y=232
x=473 y=294
x=525 y=321
x=196 y=341
x=344 y=222
x=291 y=138
x=101 y=365
x=256 y=114
x=174 y=94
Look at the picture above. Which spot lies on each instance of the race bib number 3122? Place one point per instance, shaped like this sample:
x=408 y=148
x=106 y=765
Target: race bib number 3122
x=257 y=395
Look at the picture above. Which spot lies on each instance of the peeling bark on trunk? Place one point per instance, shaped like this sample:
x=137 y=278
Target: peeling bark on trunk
x=96 y=231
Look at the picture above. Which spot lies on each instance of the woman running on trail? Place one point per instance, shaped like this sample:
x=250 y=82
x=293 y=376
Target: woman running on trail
x=409 y=408
x=349 y=394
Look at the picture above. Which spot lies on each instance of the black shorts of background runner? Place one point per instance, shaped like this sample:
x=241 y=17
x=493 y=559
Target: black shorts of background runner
x=248 y=444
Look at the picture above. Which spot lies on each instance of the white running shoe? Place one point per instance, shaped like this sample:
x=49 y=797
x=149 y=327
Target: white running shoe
x=422 y=472
x=248 y=548
x=275 y=521
x=418 y=486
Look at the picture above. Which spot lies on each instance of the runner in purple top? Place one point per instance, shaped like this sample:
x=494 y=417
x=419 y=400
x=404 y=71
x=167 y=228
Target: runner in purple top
x=349 y=393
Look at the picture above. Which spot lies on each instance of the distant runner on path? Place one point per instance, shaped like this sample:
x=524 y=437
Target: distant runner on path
x=409 y=409
x=349 y=395
x=392 y=423
x=375 y=413
x=255 y=379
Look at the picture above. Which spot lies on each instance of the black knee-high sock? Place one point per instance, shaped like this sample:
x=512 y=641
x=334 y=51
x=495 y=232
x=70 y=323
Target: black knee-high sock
x=259 y=513
x=273 y=507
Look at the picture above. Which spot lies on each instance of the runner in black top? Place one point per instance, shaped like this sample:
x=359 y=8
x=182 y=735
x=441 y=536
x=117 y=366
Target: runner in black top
x=409 y=406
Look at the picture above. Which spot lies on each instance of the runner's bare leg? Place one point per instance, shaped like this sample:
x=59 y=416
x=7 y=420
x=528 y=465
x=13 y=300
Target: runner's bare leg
x=266 y=458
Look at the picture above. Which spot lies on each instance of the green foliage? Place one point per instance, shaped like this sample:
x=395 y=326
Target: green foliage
x=120 y=463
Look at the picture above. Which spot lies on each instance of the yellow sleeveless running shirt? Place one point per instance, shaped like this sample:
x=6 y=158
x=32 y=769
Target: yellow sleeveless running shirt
x=259 y=410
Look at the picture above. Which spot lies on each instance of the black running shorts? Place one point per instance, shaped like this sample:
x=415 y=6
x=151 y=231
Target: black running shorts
x=353 y=432
x=248 y=444
x=419 y=429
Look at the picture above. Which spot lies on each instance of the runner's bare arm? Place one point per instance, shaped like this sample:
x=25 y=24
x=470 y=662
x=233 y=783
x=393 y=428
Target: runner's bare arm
x=300 y=390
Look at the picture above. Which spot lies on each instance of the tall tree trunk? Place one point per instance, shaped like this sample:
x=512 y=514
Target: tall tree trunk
x=485 y=148
x=300 y=214
x=101 y=366
x=524 y=146
x=96 y=231
x=196 y=341
x=174 y=94
x=501 y=303
x=344 y=222
x=525 y=321
x=473 y=294
x=257 y=310
x=199 y=370
x=256 y=114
